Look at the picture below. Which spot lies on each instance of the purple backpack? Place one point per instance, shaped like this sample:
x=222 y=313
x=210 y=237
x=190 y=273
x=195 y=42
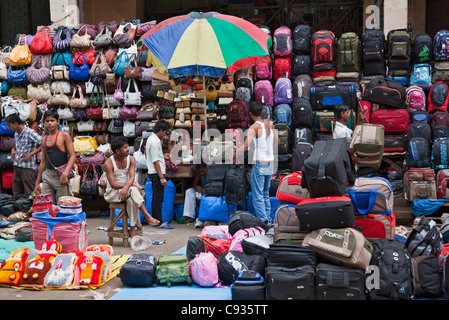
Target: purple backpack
x=263 y=92
x=283 y=92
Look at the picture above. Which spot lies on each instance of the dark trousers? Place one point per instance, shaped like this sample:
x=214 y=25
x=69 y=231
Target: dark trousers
x=158 y=197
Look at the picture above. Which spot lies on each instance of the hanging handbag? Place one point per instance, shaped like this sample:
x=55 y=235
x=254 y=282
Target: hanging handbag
x=124 y=36
x=79 y=114
x=59 y=97
x=5 y=53
x=79 y=73
x=100 y=66
x=89 y=181
x=20 y=55
x=96 y=98
x=132 y=98
x=17 y=75
x=89 y=55
x=84 y=126
x=95 y=113
x=79 y=40
x=106 y=111
x=102 y=138
x=41 y=92
x=113 y=126
x=111 y=56
x=65 y=86
x=118 y=93
x=112 y=25
x=146 y=73
x=211 y=92
x=142 y=28
x=78 y=101
x=18 y=91
x=121 y=63
x=62 y=58
x=61 y=169
x=61 y=41
x=37 y=75
x=111 y=80
x=42 y=43
x=65 y=113
x=60 y=72
x=115 y=112
x=3 y=69
x=148 y=112
x=132 y=72
x=129 y=129
x=103 y=38
x=96 y=78
x=100 y=126
x=128 y=112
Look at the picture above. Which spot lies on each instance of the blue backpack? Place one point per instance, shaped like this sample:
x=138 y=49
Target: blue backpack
x=441 y=45
x=421 y=75
x=283 y=91
x=283 y=113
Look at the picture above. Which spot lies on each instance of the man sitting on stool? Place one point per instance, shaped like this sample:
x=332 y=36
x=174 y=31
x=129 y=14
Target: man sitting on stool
x=120 y=171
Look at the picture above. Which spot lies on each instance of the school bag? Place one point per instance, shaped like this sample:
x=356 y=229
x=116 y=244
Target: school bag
x=282 y=67
x=419 y=129
x=373 y=52
x=420 y=116
x=302 y=85
x=264 y=92
x=439 y=157
x=422 y=48
x=301 y=65
x=246 y=82
x=329 y=170
x=439 y=131
x=173 y=269
x=441 y=45
x=235 y=185
x=283 y=91
x=302 y=114
x=300 y=152
x=139 y=270
x=421 y=75
x=204 y=270
x=415 y=98
x=348 y=53
x=399 y=52
x=303 y=135
x=237 y=115
x=263 y=72
x=440 y=71
x=285 y=137
x=244 y=94
x=438 y=97
x=427 y=276
x=394 y=267
x=439 y=118
x=301 y=39
x=282 y=42
x=418 y=152
x=324 y=45
x=425 y=239
x=283 y=113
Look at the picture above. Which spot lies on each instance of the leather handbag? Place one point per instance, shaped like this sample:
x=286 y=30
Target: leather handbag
x=118 y=93
x=41 y=92
x=4 y=54
x=100 y=126
x=17 y=75
x=132 y=98
x=100 y=66
x=17 y=91
x=111 y=56
x=65 y=86
x=96 y=98
x=83 y=144
x=65 y=113
x=62 y=58
x=111 y=79
x=60 y=72
x=79 y=73
x=85 y=126
x=20 y=55
x=102 y=138
x=112 y=25
x=42 y=43
x=95 y=112
x=103 y=38
x=59 y=97
x=146 y=73
x=142 y=28
x=124 y=36
x=132 y=72
x=33 y=109
x=129 y=129
x=44 y=60
x=89 y=55
x=61 y=169
x=128 y=112
x=115 y=112
x=79 y=114
x=95 y=158
x=37 y=75
x=78 y=101
x=79 y=41
x=142 y=126
x=148 y=112
x=62 y=38
x=121 y=63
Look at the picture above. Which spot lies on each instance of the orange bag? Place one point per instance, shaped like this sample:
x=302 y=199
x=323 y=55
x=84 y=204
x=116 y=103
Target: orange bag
x=21 y=54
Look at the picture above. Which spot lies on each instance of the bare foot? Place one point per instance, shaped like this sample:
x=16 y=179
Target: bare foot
x=152 y=221
x=132 y=232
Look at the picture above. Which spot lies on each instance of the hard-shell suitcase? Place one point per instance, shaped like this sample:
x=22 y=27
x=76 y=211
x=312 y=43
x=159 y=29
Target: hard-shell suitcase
x=290 y=283
x=250 y=285
x=290 y=256
x=325 y=212
x=139 y=270
x=339 y=283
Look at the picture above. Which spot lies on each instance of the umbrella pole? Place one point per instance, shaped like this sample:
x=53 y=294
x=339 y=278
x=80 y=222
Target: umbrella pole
x=205 y=109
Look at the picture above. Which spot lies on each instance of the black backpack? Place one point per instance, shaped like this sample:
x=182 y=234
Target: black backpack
x=232 y=263
x=419 y=129
x=139 y=270
x=418 y=152
x=428 y=277
x=425 y=239
x=235 y=185
x=373 y=52
x=422 y=51
x=301 y=39
x=302 y=114
x=395 y=273
x=440 y=159
x=215 y=173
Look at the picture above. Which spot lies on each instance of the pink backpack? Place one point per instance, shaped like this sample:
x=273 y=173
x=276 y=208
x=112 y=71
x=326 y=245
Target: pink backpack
x=204 y=270
x=263 y=72
x=239 y=236
x=282 y=42
x=415 y=99
x=263 y=92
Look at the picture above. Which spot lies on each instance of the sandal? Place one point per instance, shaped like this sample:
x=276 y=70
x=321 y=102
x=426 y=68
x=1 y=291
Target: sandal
x=165 y=226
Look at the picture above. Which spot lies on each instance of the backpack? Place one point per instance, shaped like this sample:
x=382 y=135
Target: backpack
x=235 y=185
x=283 y=113
x=232 y=263
x=399 y=52
x=172 y=269
x=425 y=239
x=440 y=149
x=324 y=45
x=237 y=115
x=419 y=129
x=303 y=135
x=263 y=92
x=244 y=94
x=422 y=48
x=441 y=45
x=439 y=118
x=418 y=152
x=421 y=75
x=438 y=97
x=348 y=53
x=439 y=131
x=283 y=91
x=285 y=137
x=267 y=112
x=204 y=269
x=420 y=115
x=245 y=82
x=302 y=114
x=302 y=85
x=395 y=271
x=300 y=153
x=427 y=276
x=415 y=99
x=282 y=42
x=442 y=180
x=263 y=72
x=301 y=39
x=282 y=67
x=440 y=71
x=373 y=52
x=301 y=65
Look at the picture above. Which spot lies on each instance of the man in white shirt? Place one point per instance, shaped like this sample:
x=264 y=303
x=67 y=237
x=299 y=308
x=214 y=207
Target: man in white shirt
x=156 y=169
x=342 y=115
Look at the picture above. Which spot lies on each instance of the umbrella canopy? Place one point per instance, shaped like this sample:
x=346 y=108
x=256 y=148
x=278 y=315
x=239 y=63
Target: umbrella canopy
x=206 y=44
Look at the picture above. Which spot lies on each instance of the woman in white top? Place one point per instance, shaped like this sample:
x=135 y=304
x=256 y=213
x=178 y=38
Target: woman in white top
x=120 y=172
x=264 y=135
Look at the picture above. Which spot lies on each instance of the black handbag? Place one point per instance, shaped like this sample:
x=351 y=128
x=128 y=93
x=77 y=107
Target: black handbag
x=89 y=182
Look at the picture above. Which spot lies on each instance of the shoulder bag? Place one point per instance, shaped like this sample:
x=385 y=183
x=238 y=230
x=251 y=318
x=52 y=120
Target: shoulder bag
x=42 y=43
x=78 y=101
x=61 y=169
x=61 y=41
x=100 y=66
x=59 y=97
x=20 y=55
x=132 y=98
x=80 y=40
x=37 y=75
x=79 y=73
x=103 y=38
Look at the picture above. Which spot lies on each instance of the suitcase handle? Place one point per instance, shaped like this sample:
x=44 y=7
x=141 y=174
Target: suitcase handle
x=371 y=201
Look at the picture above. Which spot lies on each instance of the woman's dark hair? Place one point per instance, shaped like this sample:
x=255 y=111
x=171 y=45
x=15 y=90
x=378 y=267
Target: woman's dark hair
x=161 y=125
x=118 y=142
x=52 y=112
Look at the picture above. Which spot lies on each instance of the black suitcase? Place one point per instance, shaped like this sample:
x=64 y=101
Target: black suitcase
x=215 y=173
x=290 y=256
x=329 y=170
x=139 y=270
x=325 y=212
x=335 y=282
x=290 y=283
x=250 y=285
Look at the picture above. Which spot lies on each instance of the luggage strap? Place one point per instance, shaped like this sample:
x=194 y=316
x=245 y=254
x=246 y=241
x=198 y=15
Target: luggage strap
x=371 y=200
x=322 y=164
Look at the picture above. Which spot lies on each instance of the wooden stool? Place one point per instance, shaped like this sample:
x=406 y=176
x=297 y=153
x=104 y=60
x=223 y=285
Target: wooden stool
x=124 y=231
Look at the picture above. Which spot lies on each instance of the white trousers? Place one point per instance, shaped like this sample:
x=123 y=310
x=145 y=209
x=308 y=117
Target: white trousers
x=133 y=202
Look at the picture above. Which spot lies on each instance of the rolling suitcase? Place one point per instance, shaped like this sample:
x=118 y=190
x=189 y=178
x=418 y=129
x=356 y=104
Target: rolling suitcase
x=290 y=283
x=339 y=283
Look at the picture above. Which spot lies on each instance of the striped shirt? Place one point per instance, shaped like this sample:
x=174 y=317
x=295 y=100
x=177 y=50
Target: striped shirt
x=28 y=141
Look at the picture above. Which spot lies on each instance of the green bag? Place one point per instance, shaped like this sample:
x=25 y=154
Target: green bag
x=172 y=269
x=324 y=121
x=348 y=53
x=18 y=91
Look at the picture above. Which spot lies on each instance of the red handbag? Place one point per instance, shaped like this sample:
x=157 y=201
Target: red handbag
x=89 y=55
x=42 y=43
x=95 y=113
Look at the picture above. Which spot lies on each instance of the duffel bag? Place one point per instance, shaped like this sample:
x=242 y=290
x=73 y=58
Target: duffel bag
x=376 y=226
x=173 y=269
x=240 y=220
x=394 y=121
x=290 y=189
x=385 y=92
x=232 y=263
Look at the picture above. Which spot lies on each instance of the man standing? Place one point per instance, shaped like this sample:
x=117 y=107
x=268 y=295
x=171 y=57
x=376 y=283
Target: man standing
x=156 y=169
x=264 y=135
x=28 y=144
